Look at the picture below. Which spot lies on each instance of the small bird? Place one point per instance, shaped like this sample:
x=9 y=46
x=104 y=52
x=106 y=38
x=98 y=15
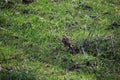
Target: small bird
x=68 y=44
x=66 y=41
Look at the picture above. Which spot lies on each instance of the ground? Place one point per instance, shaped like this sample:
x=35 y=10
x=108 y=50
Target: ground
x=31 y=45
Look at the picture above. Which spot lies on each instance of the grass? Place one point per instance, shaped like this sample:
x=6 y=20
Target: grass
x=31 y=46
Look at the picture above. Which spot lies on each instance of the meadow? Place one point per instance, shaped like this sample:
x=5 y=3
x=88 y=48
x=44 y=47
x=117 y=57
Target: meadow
x=31 y=46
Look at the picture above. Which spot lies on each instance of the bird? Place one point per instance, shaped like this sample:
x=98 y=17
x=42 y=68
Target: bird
x=67 y=43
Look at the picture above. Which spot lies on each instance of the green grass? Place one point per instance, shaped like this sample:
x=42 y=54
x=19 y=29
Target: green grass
x=31 y=46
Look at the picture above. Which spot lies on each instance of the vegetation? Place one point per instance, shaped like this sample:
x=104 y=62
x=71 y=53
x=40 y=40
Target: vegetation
x=31 y=46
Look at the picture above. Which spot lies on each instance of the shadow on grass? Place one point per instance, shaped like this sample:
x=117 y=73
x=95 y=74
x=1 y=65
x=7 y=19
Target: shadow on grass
x=17 y=75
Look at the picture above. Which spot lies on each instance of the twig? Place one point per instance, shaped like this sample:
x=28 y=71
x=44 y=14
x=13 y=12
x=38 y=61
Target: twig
x=112 y=41
x=3 y=29
x=84 y=52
